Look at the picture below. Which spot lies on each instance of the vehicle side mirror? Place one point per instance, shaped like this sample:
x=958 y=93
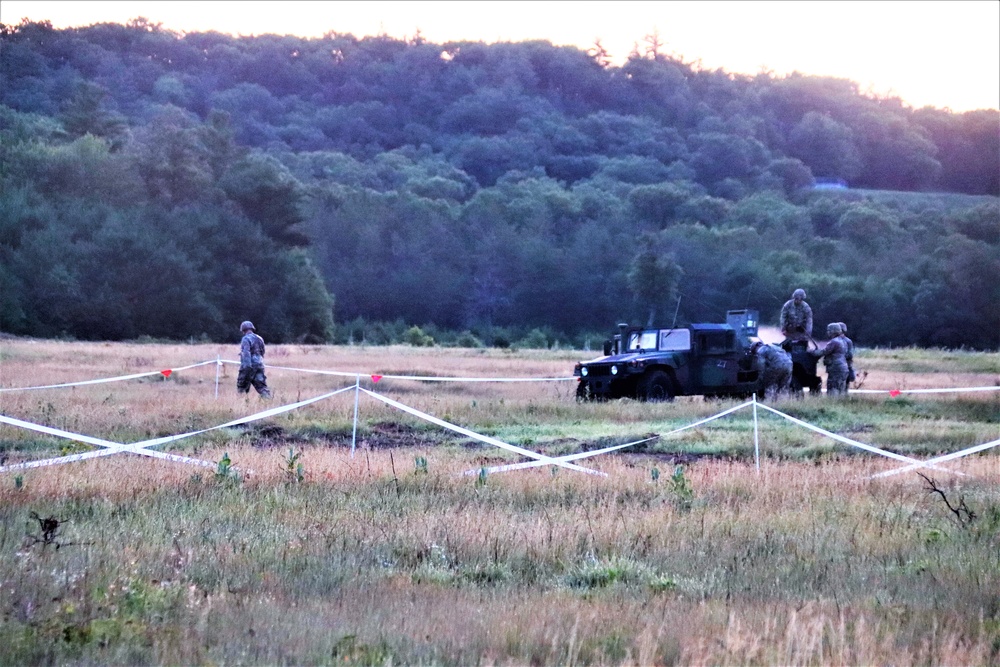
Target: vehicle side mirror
x=607 y=348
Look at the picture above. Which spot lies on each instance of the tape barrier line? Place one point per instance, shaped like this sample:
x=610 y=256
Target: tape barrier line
x=143 y=447
x=119 y=378
x=59 y=433
x=949 y=390
x=112 y=448
x=237 y=422
x=428 y=378
x=299 y=370
x=942 y=459
x=606 y=450
x=854 y=443
x=482 y=438
x=421 y=378
x=432 y=378
x=568 y=458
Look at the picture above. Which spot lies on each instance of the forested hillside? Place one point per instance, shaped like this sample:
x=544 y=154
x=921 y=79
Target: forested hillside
x=172 y=185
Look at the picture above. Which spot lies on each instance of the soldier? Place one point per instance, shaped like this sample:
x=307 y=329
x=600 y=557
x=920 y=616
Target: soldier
x=777 y=369
x=251 y=362
x=834 y=357
x=849 y=356
x=797 y=317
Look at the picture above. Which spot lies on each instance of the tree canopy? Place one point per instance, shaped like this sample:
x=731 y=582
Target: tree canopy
x=176 y=184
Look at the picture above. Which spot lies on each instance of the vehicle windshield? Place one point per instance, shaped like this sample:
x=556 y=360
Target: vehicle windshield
x=644 y=340
x=665 y=340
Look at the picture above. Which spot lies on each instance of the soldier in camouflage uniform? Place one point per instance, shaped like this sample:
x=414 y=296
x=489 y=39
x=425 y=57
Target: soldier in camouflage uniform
x=834 y=357
x=797 y=317
x=777 y=369
x=849 y=356
x=251 y=362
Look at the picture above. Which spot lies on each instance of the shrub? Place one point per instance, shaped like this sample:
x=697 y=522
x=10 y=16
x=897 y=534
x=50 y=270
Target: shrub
x=416 y=337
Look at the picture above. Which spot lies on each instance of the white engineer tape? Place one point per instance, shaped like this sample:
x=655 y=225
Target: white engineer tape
x=942 y=459
x=606 y=450
x=167 y=372
x=422 y=378
x=567 y=458
x=143 y=447
x=855 y=443
x=948 y=390
x=482 y=438
x=300 y=370
x=429 y=378
x=432 y=378
x=112 y=448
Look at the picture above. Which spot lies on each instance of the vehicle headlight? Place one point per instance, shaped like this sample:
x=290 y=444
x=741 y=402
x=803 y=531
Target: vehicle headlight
x=584 y=371
x=614 y=370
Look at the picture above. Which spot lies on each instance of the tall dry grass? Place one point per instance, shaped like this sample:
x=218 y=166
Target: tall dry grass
x=376 y=559
x=371 y=560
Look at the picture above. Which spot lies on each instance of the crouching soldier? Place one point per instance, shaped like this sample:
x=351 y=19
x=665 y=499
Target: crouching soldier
x=776 y=365
x=251 y=362
x=834 y=357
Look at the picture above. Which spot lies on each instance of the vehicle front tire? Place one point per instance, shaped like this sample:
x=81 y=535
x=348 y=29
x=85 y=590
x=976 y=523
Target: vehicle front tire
x=656 y=387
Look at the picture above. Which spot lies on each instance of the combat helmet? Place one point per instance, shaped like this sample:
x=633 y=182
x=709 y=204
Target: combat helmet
x=247 y=326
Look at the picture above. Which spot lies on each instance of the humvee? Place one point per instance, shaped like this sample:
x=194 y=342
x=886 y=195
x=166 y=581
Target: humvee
x=659 y=364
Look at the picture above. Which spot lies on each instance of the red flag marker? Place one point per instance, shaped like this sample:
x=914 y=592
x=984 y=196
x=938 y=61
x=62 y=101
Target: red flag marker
x=376 y=378
x=166 y=373
x=895 y=392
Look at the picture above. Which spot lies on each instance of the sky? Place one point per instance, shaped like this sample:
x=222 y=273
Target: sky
x=926 y=52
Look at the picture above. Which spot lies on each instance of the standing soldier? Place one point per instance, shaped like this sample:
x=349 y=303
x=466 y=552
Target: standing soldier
x=834 y=357
x=849 y=356
x=251 y=362
x=797 y=317
x=777 y=369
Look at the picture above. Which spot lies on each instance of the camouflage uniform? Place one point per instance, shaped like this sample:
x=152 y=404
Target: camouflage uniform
x=777 y=369
x=835 y=359
x=252 y=363
x=849 y=356
x=797 y=317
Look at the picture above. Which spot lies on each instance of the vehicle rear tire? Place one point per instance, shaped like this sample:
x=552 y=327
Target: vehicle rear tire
x=656 y=387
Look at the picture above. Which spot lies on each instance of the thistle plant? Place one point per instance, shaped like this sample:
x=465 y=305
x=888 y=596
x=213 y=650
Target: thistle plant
x=294 y=470
x=225 y=472
x=420 y=464
x=681 y=489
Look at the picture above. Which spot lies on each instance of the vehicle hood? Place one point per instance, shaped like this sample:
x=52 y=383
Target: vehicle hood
x=615 y=359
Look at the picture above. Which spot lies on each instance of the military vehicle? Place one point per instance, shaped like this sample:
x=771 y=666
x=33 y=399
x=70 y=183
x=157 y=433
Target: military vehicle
x=659 y=364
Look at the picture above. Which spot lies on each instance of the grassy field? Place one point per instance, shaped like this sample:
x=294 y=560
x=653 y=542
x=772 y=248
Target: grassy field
x=300 y=553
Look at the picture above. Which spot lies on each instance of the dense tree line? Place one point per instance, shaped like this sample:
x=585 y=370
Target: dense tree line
x=176 y=184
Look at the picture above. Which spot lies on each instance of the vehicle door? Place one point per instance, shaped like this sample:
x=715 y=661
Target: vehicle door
x=716 y=362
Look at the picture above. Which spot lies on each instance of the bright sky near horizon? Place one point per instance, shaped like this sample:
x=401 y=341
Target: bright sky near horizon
x=930 y=52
